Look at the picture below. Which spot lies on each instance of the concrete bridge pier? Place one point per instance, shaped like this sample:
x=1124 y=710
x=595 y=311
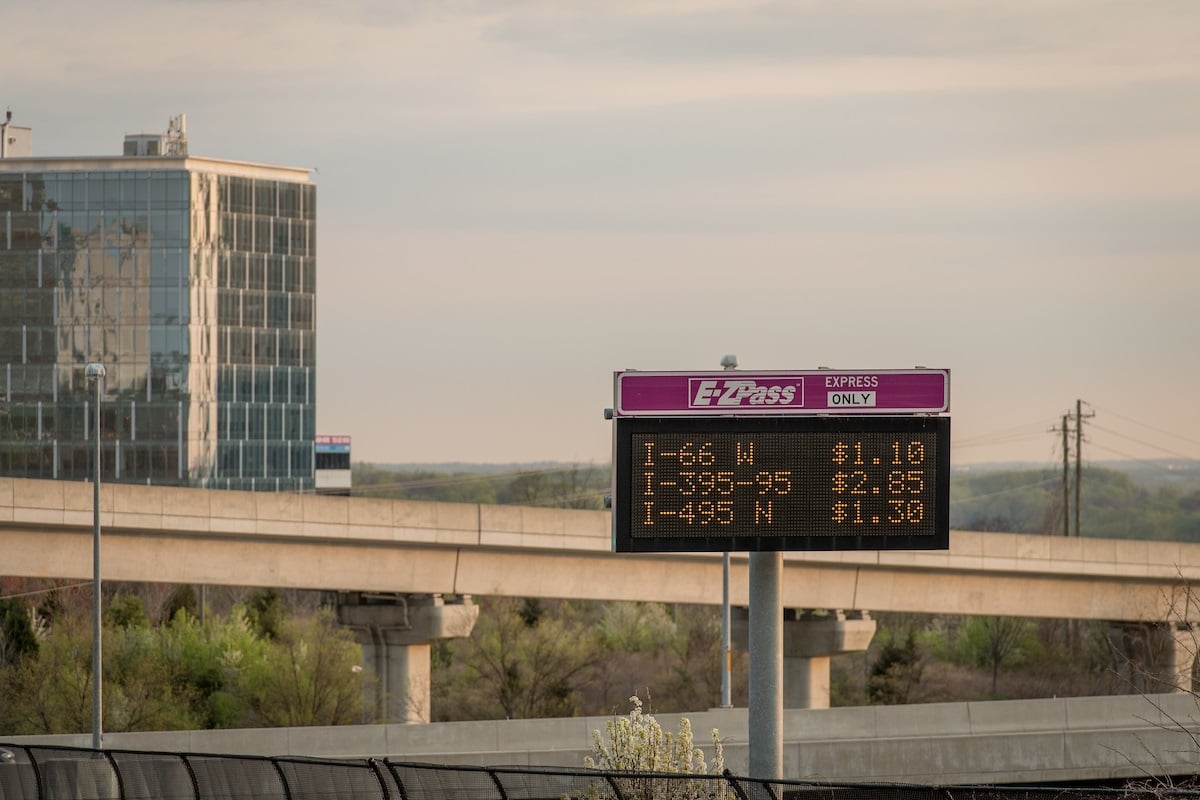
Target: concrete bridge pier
x=810 y=638
x=395 y=631
x=1155 y=657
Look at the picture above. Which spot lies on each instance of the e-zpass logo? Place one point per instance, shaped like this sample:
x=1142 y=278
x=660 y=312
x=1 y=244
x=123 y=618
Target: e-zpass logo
x=735 y=392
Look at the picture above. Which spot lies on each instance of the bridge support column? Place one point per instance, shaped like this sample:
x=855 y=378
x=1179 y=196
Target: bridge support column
x=1155 y=657
x=810 y=639
x=395 y=631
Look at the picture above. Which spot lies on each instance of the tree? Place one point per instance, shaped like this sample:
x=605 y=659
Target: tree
x=17 y=635
x=521 y=661
x=308 y=676
x=897 y=670
x=142 y=687
x=182 y=598
x=184 y=675
x=638 y=743
x=693 y=674
x=126 y=611
x=990 y=641
x=266 y=611
x=51 y=692
x=214 y=659
x=570 y=487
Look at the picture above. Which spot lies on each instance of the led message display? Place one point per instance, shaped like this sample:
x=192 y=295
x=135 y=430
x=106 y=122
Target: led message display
x=782 y=483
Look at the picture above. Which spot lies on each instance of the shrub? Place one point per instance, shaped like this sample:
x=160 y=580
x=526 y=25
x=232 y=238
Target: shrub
x=638 y=743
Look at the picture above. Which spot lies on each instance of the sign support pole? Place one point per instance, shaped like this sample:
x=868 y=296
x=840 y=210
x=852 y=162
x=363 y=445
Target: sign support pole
x=766 y=665
x=728 y=363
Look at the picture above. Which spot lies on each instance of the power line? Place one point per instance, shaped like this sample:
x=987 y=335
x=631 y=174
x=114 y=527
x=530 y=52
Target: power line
x=973 y=498
x=1025 y=437
x=1128 y=456
x=1172 y=434
x=45 y=591
x=1016 y=433
x=1142 y=442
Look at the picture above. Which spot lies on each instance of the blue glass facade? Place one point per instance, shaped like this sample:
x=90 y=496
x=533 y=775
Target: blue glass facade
x=193 y=281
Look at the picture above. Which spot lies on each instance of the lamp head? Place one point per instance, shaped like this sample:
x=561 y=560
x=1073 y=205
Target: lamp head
x=94 y=371
x=729 y=361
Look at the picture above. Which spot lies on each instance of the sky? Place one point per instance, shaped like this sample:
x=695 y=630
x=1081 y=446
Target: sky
x=517 y=199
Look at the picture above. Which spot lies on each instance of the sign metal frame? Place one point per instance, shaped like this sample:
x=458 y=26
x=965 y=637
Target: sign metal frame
x=630 y=538
x=781 y=392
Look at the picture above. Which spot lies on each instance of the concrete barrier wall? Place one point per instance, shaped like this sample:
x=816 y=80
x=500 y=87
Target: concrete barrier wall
x=1019 y=741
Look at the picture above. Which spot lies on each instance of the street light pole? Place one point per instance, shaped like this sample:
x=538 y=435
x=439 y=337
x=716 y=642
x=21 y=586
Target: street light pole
x=728 y=362
x=95 y=374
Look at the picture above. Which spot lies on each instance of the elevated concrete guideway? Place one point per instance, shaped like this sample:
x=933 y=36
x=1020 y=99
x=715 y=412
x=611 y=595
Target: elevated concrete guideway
x=172 y=535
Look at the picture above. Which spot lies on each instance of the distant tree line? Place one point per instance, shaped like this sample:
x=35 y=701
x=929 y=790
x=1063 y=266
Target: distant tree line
x=1112 y=505
x=571 y=486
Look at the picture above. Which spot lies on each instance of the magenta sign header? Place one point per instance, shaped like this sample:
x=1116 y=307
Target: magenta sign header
x=826 y=391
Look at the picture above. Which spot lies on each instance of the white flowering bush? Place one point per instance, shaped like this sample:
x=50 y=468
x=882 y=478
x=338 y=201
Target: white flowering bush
x=638 y=743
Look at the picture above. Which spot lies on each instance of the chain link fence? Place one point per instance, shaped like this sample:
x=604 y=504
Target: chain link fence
x=64 y=773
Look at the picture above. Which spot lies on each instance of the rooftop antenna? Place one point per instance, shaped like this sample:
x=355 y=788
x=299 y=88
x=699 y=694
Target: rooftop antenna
x=176 y=144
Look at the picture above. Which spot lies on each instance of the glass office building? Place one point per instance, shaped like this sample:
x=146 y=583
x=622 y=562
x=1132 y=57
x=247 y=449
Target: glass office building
x=192 y=280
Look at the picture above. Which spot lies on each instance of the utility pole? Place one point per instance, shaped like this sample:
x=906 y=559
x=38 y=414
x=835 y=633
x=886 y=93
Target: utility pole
x=1066 y=472
x=1079 y=456
x=1066 y=483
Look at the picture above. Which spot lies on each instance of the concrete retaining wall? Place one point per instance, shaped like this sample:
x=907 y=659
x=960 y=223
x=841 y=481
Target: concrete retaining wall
x=1026 y=741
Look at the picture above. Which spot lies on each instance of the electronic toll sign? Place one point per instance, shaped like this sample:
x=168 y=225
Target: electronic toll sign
x=696 y=482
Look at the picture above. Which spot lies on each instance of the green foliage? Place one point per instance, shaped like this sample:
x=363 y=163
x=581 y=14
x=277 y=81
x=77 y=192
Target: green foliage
x=694 y=676
x=308 y=676
x=558 y=487
x=519 y=665
x=182 y=598
x=572 y=487
x=183 y=675
x=993 y=641
x=638 y=743
x=142 y=687
x=126 y=611
x=896 y=671
x=52 y=606
x=1026 y=501
x=673 y=651
x=212 y=660
x=266 y=611
x=51 y=693
x=1112 y=505
x=531 y=611
x=368 y=480
x=636 y=627
x=17 y=636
